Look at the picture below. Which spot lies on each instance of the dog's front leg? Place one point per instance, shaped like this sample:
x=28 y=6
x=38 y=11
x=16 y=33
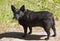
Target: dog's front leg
x=25 y=31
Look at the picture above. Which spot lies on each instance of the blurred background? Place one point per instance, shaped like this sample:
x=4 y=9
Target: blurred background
x=8 y=24
x=6 y=13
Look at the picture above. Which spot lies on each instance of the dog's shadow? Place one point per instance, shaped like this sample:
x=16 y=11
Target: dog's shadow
x=19 y=35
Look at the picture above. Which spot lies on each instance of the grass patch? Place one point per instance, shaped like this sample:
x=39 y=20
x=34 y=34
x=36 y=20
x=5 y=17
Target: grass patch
x=6 y=13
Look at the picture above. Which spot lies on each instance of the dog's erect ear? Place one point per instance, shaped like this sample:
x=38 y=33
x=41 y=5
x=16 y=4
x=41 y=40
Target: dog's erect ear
x=22 y=8
x=13 y=8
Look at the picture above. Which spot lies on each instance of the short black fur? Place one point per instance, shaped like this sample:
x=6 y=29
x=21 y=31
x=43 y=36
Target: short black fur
x=28 y=18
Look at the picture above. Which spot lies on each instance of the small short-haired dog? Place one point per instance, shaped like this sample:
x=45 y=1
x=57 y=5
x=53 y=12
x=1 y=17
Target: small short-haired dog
x=28 y=18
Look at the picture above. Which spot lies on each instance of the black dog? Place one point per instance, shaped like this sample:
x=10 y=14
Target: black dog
x=28 y=18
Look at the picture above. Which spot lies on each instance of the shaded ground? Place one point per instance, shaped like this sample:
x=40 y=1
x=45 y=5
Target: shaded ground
x=15 y=33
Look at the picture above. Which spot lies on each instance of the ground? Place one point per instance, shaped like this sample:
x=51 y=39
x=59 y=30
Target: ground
x=14 y=33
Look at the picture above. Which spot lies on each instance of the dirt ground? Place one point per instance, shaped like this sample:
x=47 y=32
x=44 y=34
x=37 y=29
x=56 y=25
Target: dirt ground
x=14 y=33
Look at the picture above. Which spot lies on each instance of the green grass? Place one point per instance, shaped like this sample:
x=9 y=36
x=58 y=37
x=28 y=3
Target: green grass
x=6 y=13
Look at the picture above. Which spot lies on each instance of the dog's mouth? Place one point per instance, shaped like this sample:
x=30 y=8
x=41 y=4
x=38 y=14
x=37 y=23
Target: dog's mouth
x=13 y=18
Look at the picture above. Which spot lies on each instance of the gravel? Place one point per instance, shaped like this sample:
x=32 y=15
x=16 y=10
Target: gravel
x=15 y=34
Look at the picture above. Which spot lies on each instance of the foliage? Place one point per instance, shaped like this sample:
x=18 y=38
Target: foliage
x=35 y=5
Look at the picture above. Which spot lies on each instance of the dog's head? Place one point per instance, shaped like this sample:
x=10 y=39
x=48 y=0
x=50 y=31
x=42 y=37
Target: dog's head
x=18 y=13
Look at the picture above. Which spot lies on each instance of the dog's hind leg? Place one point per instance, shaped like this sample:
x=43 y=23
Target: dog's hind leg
x=47 y=29
x=54 y=30
x=53 y=27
